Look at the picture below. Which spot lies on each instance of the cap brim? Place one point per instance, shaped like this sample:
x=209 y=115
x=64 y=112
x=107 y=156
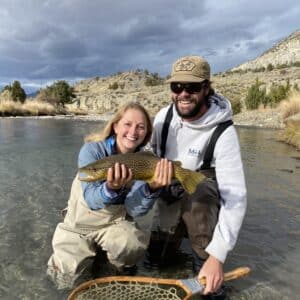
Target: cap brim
x=185 y=78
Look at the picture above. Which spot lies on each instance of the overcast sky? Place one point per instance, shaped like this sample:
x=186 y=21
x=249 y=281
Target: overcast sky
x=42 y=41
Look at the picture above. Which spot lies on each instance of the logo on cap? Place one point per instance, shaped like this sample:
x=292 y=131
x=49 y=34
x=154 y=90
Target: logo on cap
x=184 y=65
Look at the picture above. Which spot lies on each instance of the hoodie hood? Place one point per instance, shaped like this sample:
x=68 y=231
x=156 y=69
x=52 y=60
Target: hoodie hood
x=219 y=111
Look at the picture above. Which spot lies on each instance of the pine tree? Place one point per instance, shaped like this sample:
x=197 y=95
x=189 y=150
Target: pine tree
x=17 y=92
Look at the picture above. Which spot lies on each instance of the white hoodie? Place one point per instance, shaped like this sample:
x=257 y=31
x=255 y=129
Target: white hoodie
x=187 y=142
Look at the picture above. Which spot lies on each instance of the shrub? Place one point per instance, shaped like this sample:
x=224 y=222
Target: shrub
x=270 y=67
x=296 y=64
x=153 y=79
x=58 y=94
x=6 y=88
x=114 y=86
x=291 y=106
x=281 y=66
x=260 y=69
x=236 y=106
x=291 y=133
x=255 y=95
x=278 y=93
x=16 y=91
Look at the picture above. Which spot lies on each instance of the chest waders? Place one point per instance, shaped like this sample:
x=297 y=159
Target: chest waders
x=208 y=155
x=205 y=167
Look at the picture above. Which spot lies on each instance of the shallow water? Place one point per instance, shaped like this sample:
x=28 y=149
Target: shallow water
x=37 y=165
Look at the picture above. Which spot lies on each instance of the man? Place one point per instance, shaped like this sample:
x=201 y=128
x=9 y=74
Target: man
x=196 y=129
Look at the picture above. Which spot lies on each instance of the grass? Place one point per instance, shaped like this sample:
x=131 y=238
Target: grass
x=33 y=108
x=290 y=110
x=291 y=133
x=291 y=106
x=28 y=108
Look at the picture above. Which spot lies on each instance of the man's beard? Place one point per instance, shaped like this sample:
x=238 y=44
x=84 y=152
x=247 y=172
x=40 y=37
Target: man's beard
x=192 y=113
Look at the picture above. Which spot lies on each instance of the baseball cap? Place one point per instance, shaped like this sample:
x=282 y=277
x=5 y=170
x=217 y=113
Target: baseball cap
x=190 y=69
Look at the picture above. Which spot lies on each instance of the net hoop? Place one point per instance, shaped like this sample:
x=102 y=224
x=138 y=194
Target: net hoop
x=122 y=279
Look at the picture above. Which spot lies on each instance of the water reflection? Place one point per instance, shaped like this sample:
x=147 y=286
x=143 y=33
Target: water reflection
x=37 y=165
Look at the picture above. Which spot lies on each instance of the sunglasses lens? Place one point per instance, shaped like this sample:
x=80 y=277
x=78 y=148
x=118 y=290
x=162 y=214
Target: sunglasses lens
x=176 y=87
x=191 y=88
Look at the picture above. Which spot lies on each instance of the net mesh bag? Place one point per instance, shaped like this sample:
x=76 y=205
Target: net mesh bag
x=145 y=288
x=128 y=290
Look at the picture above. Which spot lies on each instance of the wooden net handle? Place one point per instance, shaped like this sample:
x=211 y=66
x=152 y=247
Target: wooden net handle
x=236 y=273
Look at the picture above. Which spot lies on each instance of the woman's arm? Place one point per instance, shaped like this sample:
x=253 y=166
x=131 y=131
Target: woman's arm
x=142 y=195
x=97 y=194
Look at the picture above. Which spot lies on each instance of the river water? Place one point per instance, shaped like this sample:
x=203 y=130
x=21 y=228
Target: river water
x=38 y=162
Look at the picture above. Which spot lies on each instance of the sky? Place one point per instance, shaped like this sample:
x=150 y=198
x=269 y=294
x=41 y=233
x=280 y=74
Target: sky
x=46 y=40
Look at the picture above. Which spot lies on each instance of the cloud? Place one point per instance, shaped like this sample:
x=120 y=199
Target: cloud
x=55 y=39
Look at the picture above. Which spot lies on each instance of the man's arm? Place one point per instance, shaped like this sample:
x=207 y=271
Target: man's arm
x=232 y=187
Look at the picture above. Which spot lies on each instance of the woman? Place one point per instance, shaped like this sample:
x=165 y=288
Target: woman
x=100 y=214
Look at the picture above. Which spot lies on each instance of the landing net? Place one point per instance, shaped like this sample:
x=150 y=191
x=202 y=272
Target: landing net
x=128 y=290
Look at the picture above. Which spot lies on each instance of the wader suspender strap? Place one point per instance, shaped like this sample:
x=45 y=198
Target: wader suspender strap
x=211 y=146
x=164 y=131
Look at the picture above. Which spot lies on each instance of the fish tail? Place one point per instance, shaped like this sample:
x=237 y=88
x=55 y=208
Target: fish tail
x=189 y=179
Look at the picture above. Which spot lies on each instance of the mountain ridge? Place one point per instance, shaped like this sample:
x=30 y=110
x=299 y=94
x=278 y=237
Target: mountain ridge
x=105 y=94
x=286 y=51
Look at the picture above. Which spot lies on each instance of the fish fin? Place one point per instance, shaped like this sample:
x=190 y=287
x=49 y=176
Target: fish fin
x=189 y=179
x=147 y=153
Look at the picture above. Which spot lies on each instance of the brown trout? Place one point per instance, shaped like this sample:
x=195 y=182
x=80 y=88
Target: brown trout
x=143 y=166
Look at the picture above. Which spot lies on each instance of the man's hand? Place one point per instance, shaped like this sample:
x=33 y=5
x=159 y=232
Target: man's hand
x=212 y=270
x=118 y=176
x=163 y=175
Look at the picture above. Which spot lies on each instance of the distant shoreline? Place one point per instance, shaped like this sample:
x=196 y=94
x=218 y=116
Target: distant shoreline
x=270 y=119
x=91 y=117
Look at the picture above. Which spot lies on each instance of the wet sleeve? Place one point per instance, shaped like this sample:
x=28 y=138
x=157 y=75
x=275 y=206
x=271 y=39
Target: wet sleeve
x=139 y=199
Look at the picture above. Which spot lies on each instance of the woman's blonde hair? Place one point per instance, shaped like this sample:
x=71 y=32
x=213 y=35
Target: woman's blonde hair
x=108 y=130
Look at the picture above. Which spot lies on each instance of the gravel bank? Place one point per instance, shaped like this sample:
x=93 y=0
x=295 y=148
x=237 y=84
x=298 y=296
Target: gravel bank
x=270 y=118
x=255 y=118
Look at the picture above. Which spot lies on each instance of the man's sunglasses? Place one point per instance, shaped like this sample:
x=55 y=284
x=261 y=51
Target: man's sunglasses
x=191 y=87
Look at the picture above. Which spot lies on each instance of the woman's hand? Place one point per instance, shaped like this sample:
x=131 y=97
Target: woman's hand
x=162 y=176
x=118 y=176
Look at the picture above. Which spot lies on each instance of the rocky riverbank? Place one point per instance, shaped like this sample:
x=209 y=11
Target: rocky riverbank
x=267 y=118
x=289 y=132
x=255 y=118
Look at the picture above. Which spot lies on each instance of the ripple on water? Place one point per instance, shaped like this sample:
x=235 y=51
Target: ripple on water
x=260 y=291
x=34 y=187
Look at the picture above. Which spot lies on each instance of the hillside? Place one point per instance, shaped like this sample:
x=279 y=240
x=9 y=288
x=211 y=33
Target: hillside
x=97 y=96
x=101 y=95
x=234 y=85
x=286 y=52
x=105 y=94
